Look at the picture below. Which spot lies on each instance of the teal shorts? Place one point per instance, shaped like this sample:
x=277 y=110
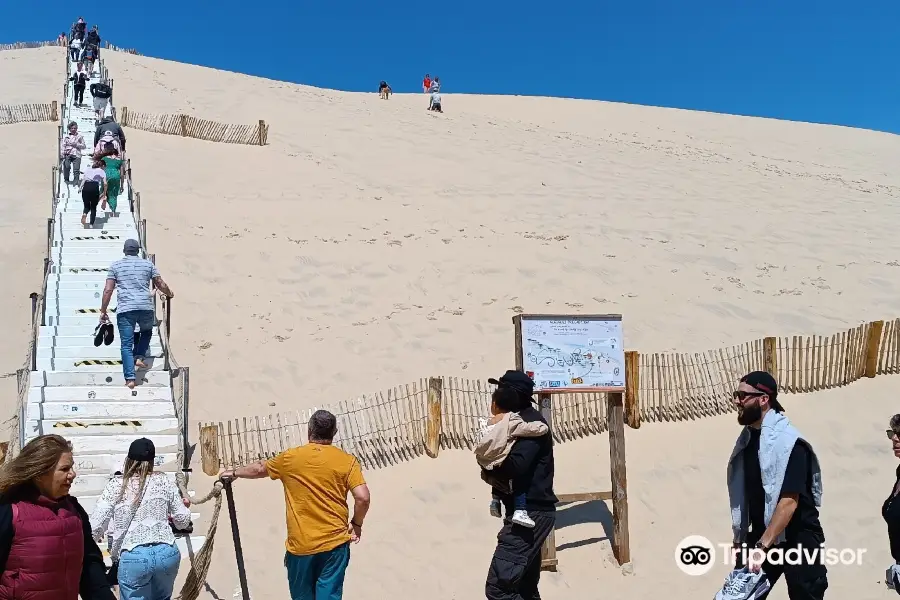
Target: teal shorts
x=318 y=576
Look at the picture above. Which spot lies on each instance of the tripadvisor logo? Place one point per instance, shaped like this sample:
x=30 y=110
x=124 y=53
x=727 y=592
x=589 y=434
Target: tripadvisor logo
x=696 y=555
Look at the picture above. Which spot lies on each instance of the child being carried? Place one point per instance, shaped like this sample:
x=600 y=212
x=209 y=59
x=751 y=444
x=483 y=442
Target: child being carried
x=496 y=439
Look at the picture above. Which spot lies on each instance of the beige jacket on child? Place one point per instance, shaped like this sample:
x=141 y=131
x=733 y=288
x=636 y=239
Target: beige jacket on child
x=497 y=440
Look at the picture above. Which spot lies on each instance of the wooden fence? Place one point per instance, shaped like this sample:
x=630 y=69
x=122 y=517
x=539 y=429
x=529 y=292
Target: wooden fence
x=115 y=48
x=443 y=412
x=24 y=45
x=201 y=129
x=23 y=113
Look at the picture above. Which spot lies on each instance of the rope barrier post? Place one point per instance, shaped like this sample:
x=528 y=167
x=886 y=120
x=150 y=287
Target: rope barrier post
x=238 y=549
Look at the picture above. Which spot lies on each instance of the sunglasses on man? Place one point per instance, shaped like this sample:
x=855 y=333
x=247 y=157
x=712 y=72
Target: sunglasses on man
x=742 y=395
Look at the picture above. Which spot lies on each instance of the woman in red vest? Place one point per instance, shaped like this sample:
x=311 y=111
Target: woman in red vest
x=46 y=548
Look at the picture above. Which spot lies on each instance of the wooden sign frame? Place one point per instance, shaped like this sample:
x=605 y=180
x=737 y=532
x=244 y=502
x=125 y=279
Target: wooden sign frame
x=520 y=358
x=615 y=415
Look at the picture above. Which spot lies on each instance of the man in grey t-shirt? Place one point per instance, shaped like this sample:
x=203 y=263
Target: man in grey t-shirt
x=132 y=275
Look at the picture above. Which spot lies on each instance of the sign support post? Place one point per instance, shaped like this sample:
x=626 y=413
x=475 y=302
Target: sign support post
x=581 y=354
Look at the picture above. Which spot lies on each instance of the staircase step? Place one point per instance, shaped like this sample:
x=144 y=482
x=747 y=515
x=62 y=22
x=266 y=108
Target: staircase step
x=97 y=376
x=107 y=464
x=90 y=485
x=88 y=351
x=63 y=342
x=80 y=332
x=103 y=393
x=89 y=409
x=87 y=320
x=68 y=364
x=81 y=427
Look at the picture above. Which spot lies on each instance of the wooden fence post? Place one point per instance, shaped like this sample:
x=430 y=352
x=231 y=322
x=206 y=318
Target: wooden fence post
x=54 y=111
x=632 y=385
x=770 y=362
x=124 y=121
x=262 y=133
x=184 y=127
x=549 y=562
x=616 y=425
x=209 y=449
x=873 y=347
x=433 y=421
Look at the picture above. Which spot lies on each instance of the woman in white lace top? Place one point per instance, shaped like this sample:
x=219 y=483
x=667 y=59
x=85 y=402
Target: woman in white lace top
x=137 y=506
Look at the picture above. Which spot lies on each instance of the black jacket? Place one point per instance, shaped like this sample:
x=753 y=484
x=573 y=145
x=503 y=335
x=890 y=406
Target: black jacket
x=530 y=465
x=93 y=38
x=101 y=90
x=107 y=124
x=80 y=78
x=93 y=584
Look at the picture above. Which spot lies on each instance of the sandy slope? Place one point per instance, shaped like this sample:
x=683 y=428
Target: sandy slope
x=372 y=243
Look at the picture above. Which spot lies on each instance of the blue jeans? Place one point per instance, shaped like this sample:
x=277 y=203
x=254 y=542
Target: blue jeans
x=317 y=576
x=134 y=346
x=148 y=572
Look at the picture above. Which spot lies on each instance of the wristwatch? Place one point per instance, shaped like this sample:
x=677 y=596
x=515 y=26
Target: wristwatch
x=355 y=524
x=761 y=546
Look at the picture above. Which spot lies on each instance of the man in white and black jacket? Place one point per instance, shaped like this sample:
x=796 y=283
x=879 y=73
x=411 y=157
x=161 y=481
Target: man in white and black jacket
x=516 y=565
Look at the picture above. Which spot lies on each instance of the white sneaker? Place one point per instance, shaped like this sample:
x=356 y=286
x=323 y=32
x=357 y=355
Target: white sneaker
x=892 y=578
x=741 y=584
x=520 y=517
x=495 y=509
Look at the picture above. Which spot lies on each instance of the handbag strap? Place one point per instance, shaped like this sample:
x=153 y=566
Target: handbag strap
x=117 y=546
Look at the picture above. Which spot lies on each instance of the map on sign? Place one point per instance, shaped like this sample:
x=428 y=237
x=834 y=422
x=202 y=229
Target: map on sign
x=574 y=353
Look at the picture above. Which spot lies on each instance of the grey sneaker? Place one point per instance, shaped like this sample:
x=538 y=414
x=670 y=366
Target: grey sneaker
x=892 y=578
x=741 y=584
x=495 y=509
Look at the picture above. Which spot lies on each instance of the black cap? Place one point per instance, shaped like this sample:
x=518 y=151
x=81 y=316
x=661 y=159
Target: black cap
x=142 y=449
x=516 y=380
x=764 y=382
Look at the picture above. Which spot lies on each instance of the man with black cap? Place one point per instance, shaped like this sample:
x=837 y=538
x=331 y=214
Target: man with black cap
x=132 y=275
x=774 y=488
x=516 y=565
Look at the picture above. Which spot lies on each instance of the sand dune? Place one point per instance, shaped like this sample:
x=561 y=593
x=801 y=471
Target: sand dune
x=373 y=243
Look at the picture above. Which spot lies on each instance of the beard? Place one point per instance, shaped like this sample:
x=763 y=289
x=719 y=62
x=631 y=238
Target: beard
x=749 y=414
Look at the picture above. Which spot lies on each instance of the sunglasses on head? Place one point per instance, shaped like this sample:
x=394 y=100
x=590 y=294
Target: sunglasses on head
x=742 y=395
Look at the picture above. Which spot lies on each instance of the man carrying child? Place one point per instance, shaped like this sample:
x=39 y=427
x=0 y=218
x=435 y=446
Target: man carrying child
x=527 y=469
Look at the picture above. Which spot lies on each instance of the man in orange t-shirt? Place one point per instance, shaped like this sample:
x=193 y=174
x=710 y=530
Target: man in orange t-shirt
x=317 y=478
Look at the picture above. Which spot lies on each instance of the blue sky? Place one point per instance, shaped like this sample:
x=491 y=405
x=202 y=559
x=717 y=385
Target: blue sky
x=825 y=61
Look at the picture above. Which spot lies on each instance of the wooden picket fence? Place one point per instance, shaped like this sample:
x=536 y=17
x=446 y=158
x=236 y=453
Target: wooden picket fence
x=25 y=45
x=422 y=417
x=24 y=113
x=201 y=129
x=115 y=48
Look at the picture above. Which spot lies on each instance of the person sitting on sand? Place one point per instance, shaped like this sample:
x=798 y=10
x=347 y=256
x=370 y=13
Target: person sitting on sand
x=434 y=102
x=384 y=90
x=496 y=439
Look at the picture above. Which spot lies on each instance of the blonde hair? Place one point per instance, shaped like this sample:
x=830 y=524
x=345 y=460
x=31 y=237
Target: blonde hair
x=139 y=468
x=38 y=457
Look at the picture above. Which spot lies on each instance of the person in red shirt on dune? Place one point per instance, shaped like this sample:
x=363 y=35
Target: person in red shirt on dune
x=426 y=83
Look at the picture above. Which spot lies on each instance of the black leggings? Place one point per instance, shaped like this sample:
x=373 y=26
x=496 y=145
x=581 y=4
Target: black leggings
x=79 y=94
x=90 y=195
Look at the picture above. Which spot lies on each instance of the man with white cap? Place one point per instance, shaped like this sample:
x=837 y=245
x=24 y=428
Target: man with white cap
x=132 y=275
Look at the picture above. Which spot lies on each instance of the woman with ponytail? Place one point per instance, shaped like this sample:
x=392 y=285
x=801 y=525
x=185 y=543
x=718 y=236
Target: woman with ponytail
x=142 y=505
